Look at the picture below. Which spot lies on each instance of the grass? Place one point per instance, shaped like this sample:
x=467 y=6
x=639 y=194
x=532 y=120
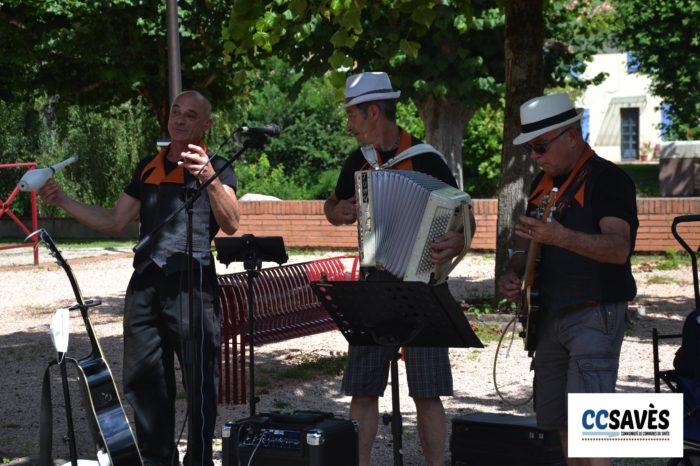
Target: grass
x=279 y=404
x=301 y=367
x=308 y=365
x=669 y=260
x=489 y=305
x=487 y=332
x=662 y=280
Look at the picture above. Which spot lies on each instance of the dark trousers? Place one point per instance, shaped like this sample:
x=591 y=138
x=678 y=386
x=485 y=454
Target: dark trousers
x=156 y=327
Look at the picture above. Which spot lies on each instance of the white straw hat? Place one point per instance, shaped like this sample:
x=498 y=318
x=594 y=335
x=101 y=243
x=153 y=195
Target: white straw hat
x=365 y=87
x=543 y=114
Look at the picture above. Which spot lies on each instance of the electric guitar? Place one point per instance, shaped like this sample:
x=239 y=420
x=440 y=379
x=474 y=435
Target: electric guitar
x=529 y=310
x=110 y=428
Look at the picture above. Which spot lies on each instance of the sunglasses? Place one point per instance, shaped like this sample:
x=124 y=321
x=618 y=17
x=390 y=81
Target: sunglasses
x=542 y=147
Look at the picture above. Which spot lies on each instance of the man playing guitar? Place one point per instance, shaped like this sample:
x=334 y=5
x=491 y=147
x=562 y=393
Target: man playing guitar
x=584 y=271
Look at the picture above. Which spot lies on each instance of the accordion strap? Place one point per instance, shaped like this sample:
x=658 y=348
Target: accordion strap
x=410 y=152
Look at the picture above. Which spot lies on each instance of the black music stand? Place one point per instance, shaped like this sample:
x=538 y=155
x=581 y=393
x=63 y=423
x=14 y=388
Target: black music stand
x=252 y=251
x=396 y=314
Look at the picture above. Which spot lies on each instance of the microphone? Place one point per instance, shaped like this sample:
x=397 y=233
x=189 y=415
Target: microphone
x=35 y=179
x=267 y=130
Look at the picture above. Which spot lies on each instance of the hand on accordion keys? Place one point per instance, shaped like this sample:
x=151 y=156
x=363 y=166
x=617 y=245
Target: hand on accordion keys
x=446 y=247
x=344 y=212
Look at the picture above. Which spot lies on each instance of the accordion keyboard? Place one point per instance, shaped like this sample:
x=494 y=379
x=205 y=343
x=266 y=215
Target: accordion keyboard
x=438 y=227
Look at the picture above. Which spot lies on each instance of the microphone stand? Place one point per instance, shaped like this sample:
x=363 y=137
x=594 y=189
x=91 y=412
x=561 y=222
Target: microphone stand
x=192 y=357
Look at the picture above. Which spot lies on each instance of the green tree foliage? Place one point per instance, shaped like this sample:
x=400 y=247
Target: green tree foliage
x=313 y=136
x=447 y=56
x=108 y=52
x=664 y=38
x=108 y=145
x=312 y=143
x=481 y=152
x=301 y=163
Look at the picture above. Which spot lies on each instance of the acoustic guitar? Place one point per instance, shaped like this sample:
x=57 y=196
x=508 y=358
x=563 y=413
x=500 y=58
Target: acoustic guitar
x=529 y=310
x=110 y=428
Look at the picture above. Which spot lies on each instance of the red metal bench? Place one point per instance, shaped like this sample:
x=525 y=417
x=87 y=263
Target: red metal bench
x=284 y=307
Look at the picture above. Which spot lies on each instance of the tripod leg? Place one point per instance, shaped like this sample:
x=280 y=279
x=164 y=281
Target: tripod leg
x=396 y=420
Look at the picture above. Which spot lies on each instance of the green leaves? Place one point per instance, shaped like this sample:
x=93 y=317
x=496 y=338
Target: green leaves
x=342 y=39
x=664 y=38
x=411 y=48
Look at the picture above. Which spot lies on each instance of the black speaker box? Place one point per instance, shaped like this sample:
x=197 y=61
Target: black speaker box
x=302 y=438
x=503 y=440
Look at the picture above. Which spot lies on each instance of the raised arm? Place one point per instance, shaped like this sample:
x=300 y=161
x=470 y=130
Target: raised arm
x=223 y=199
x=106 y=220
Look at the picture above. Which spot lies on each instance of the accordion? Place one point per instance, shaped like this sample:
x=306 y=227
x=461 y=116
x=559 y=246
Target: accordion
x=399 y=214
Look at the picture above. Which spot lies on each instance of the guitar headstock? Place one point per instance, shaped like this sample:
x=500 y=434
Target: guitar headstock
x=45 y=238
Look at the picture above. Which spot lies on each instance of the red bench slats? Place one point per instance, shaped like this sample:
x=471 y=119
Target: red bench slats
x=284 y=307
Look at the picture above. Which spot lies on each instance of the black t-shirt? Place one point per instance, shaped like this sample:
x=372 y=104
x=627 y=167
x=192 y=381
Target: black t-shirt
x=613 y=195
x=428 y=163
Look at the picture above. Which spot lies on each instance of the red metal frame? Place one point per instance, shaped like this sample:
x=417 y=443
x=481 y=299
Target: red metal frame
x=5 y=208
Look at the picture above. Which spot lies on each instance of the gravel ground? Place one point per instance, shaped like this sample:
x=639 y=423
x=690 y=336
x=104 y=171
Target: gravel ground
x=30 y=294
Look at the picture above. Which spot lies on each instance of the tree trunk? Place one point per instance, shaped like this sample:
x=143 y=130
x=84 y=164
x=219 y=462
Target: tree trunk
x=524 y=39
x=445 y=124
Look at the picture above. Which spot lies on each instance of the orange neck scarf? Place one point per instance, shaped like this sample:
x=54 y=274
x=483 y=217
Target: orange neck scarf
x=547 y=182
x=154 y=171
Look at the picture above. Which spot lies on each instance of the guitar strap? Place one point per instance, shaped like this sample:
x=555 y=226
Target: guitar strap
x=578 y=173
x=46 y=416
x=574 y=189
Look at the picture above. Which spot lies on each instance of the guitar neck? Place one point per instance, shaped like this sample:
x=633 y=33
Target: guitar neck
x=532 y=255
x=534 y=248
x=48 y=241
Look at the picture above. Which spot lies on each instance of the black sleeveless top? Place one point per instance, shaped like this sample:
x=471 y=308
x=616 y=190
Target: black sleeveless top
x=161 y=187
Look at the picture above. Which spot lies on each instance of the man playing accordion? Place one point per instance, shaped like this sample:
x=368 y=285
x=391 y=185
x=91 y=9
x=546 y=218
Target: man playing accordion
x=370 y=104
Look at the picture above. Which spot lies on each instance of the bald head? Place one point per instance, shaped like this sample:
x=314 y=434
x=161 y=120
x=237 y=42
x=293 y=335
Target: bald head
x=206 y=105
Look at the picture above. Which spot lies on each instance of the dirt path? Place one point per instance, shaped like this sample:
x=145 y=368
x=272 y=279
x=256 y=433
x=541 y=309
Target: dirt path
x=31 y=294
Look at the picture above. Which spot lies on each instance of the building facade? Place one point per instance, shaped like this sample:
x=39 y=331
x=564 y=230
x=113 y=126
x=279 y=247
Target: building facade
x=622 y=120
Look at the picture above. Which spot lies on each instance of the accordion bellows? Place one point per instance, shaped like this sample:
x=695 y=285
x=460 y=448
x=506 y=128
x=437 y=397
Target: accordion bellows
x=400 y=213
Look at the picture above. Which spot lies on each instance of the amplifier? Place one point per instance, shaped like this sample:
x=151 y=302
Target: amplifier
x=503 y=440
x=301 y=438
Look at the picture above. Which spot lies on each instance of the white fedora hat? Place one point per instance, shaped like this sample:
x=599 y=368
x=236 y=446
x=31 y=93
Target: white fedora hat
x=365 y=87
x=543 y=114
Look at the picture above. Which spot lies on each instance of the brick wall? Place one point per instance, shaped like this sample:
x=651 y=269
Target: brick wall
x=302 y=223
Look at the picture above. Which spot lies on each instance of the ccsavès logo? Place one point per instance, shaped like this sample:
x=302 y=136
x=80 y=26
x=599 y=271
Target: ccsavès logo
x=634 y=425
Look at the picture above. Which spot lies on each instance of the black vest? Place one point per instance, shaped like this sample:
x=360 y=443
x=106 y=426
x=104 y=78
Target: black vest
x=167 y=248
